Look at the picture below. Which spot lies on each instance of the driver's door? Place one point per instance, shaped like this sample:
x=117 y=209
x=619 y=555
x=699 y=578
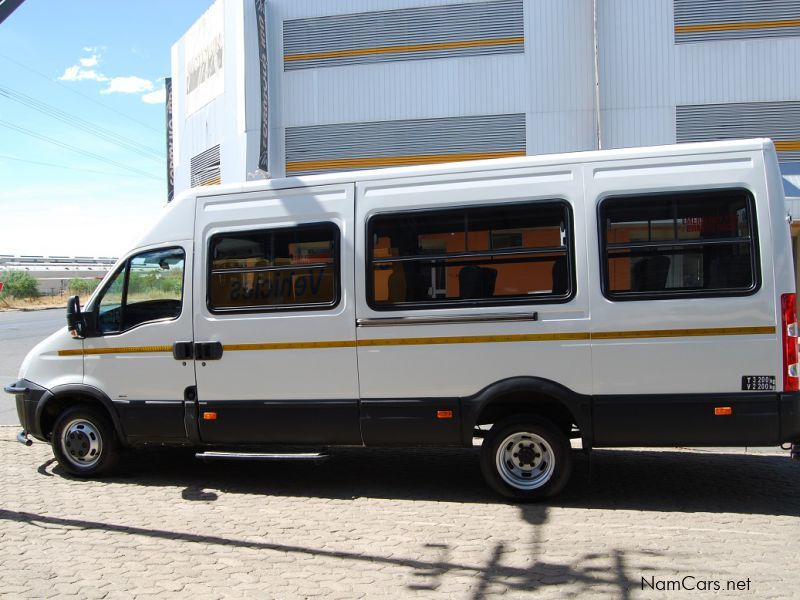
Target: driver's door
x=143 y=309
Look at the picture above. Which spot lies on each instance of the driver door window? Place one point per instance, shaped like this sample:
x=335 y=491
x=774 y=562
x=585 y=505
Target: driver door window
x=148 y=288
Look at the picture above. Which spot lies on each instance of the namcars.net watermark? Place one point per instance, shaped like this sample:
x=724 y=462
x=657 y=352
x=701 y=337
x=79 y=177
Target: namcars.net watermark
x=690 y=583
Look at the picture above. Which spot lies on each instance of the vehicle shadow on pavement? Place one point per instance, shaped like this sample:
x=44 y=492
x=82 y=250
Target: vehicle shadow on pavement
x=671 y=481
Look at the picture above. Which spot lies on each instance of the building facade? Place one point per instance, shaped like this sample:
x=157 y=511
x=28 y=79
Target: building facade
x=274 y=88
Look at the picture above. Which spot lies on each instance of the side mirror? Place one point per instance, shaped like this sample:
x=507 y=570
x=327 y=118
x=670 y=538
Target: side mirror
x=75 y=323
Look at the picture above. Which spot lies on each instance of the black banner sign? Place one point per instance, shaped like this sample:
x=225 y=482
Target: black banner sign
x=261 y=20
x=170 y=162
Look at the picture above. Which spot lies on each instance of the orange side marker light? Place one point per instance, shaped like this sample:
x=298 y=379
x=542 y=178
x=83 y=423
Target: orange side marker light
x=444 y=414
x=722 y=411
x=209 y=416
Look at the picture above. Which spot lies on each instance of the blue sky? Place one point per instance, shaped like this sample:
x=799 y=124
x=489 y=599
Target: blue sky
x=88 y=66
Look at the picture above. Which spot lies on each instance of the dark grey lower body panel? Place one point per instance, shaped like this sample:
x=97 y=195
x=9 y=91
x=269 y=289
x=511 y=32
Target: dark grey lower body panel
x=156 y=421
x=411 y=422
x=318 y=422
x=687 y=419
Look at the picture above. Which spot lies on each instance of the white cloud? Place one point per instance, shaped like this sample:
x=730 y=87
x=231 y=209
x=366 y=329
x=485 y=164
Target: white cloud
x=76 y=73
x=157 y=97
x=128 y=85
x=90 y=48
x=89 y=62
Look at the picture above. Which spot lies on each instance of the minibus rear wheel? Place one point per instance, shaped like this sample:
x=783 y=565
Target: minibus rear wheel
x=84 y=442
x=526 y=458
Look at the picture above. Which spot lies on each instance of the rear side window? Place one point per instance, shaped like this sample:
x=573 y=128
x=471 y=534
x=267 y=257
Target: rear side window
x=502 y=254
x=679 y=245
x=274 y=269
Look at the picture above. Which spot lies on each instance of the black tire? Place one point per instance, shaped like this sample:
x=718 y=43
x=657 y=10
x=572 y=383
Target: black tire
x=84 y=442
x=543 y=468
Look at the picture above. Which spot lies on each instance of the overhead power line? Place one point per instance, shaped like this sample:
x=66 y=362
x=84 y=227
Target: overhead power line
x=66 y=167
x=78 y=150
x=76 y=92
x=100 y=132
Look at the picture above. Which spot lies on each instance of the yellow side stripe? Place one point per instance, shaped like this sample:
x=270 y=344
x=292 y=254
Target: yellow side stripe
x=290 y=345
x=120 y=350
x=460 y=339
x=457 y=45
x=778 y=24
x=475 y=339
x=672 y=333
x=395 y=161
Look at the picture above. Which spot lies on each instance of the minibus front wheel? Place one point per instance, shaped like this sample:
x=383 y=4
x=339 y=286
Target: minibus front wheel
x=526 y=458
x=84 y=442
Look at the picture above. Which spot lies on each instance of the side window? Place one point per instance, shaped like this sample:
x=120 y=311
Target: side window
x=679 y=245
x=502 y=254
x=148 y=288
x=274 y=269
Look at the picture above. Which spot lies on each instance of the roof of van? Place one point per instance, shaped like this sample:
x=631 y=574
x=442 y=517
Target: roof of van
x=478 y=165
x=181 y=210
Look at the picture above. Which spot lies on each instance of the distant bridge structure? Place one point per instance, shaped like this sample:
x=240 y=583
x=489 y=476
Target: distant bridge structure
x=54 y=272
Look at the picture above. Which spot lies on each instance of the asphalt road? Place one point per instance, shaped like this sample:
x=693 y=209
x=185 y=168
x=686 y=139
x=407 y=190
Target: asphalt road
x=19 y=332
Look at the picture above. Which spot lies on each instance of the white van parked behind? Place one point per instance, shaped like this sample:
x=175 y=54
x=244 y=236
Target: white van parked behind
x=638 y=297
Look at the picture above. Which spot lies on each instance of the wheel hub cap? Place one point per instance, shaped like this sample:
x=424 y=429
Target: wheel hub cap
x=81 y=443
x=525 y=460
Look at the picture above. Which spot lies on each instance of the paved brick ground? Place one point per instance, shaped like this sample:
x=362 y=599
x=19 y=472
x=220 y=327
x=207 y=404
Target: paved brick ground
x=390 y=524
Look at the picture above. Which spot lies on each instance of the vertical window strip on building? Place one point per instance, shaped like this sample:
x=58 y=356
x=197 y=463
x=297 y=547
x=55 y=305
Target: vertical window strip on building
x=711 y=20
x=205 y=167
x=430 y=32
x=349 y=146
x=777 y=120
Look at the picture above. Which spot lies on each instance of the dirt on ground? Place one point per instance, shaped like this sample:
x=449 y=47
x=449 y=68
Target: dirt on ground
x=42 y=303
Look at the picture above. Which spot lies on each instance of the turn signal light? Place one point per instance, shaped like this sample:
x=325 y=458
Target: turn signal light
x=722 y=411
x=209 y=416
x=444 y=414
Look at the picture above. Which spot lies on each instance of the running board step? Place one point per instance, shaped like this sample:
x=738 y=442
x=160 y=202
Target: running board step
x=262 y=456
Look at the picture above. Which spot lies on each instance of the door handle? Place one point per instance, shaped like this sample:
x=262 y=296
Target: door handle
x=208 y=350
x=183 y=350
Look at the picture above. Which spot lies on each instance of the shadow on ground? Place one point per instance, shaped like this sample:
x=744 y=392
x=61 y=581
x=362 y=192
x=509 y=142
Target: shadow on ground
x=616 y=479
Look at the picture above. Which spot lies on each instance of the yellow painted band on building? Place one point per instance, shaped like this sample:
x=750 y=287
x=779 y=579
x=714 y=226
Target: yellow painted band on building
x=460 y=339
x=457 y=45
x=737 y=26
x=787 y=146
x=395 y=161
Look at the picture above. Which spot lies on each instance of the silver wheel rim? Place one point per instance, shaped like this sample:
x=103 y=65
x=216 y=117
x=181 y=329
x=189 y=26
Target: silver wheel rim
x=81 y=443
x=525 y=460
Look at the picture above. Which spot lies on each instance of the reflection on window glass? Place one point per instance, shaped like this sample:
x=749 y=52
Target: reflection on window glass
x=270 y=269
x=109 y=310
x=149 y=288
x=457 y=256
x=679 y=243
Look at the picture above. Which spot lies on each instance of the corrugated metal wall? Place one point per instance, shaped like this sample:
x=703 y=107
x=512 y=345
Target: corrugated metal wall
x=777 y=120
x=343 y=146
x=707 y=20
x=205 y=167
x=409 y=34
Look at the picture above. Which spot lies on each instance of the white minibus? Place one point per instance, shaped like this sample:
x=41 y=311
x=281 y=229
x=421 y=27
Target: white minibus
x=634 y=297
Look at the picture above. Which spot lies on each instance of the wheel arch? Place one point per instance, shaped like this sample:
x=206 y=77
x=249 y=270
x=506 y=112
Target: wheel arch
x=527 y=395
x=62 y=397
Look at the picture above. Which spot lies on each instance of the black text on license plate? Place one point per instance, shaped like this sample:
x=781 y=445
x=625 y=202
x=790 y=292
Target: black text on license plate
x=758 y=383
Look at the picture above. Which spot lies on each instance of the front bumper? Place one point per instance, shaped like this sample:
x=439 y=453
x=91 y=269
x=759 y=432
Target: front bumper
x=28 y=395
x=790 y=417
